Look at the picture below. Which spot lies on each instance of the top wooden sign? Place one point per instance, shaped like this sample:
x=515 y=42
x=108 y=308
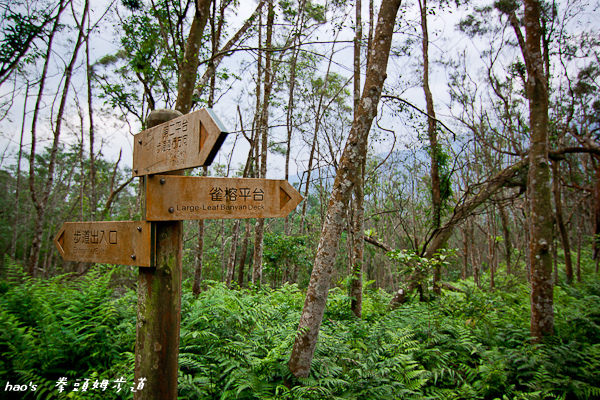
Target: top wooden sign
x=189 y=141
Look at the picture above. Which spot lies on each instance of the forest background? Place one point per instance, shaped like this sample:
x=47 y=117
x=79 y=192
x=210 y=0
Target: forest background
x=440 y=206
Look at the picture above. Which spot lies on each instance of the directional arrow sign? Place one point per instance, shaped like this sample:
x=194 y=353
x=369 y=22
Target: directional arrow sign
x=189 y=141
x=114 y=242
x=172 y=198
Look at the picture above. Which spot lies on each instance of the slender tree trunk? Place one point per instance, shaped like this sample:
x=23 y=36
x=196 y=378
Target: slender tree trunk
x=475 y=260
x=492 y=254
x=213 y=42
x=371 y=31
x=232 y=252
x=315 y=143
x=357 y=50
x=539 y=185
x=356 y=278
x=93 y=201
x=316 y=296
x=290 y=109
x=596 y=239
x=81 y=166
x=222 y=251
x=507 y=239
x=564 y=234
x=16 y=221
x=578 y=265
x=244 y=253
x=555 y=258
x=196 y=288
x=235 y=235
x=466 y=245
x=264 y=129
x=40 y=202
x=435 y=149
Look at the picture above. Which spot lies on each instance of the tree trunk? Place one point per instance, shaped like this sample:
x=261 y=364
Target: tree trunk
x=465 y=266
x=290 y=109
x=196 y=288
x=578 y=265
x=16 y=221
x=81 y=166
x=507 y=239
x=40 y=202
x=596 y=240
x=264 y=129
x=89 y=70
x=436 y=198
x=564 y=234
x=356 y=274
x=316 y=296
x=538 y=185
x=243 y=254
x=554 y=258
x=356 y=278
x=315 y=143
x=492 y=253
x=189 y=66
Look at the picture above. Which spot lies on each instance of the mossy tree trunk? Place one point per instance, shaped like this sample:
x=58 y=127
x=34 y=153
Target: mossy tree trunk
x=538 y=183
x=318 y=288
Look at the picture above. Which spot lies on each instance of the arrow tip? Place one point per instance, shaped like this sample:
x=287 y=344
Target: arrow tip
x=59 y=241
x=283 y=198
x=289 y=198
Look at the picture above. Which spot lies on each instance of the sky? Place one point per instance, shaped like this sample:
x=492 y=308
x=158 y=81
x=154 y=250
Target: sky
x=403 y=80
x=118 y=136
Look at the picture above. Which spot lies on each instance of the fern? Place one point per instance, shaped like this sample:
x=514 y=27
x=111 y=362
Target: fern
x=236 y=344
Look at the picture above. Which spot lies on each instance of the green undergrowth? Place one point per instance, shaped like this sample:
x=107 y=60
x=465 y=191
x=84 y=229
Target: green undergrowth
x=235 y=343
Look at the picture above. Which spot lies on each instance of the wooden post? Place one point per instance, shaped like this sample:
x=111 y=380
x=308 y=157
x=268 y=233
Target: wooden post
x=159 y=303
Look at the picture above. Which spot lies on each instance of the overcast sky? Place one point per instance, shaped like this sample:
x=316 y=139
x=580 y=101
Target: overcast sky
x=403 y=79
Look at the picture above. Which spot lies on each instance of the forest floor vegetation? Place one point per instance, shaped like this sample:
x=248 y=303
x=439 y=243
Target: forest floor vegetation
x=235 y=344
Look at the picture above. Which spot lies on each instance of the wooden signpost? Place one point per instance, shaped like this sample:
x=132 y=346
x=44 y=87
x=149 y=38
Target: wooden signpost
x=172 y=143
x=173 y=198
x=189 y=141
x=114 y=242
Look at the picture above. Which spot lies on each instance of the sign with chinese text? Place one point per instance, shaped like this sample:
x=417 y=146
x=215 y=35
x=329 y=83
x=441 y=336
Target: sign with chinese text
x=172 y=198
x=114 y=242
x=189 y=141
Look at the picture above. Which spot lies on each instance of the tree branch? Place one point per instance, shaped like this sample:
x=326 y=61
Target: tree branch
x=387 y=96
